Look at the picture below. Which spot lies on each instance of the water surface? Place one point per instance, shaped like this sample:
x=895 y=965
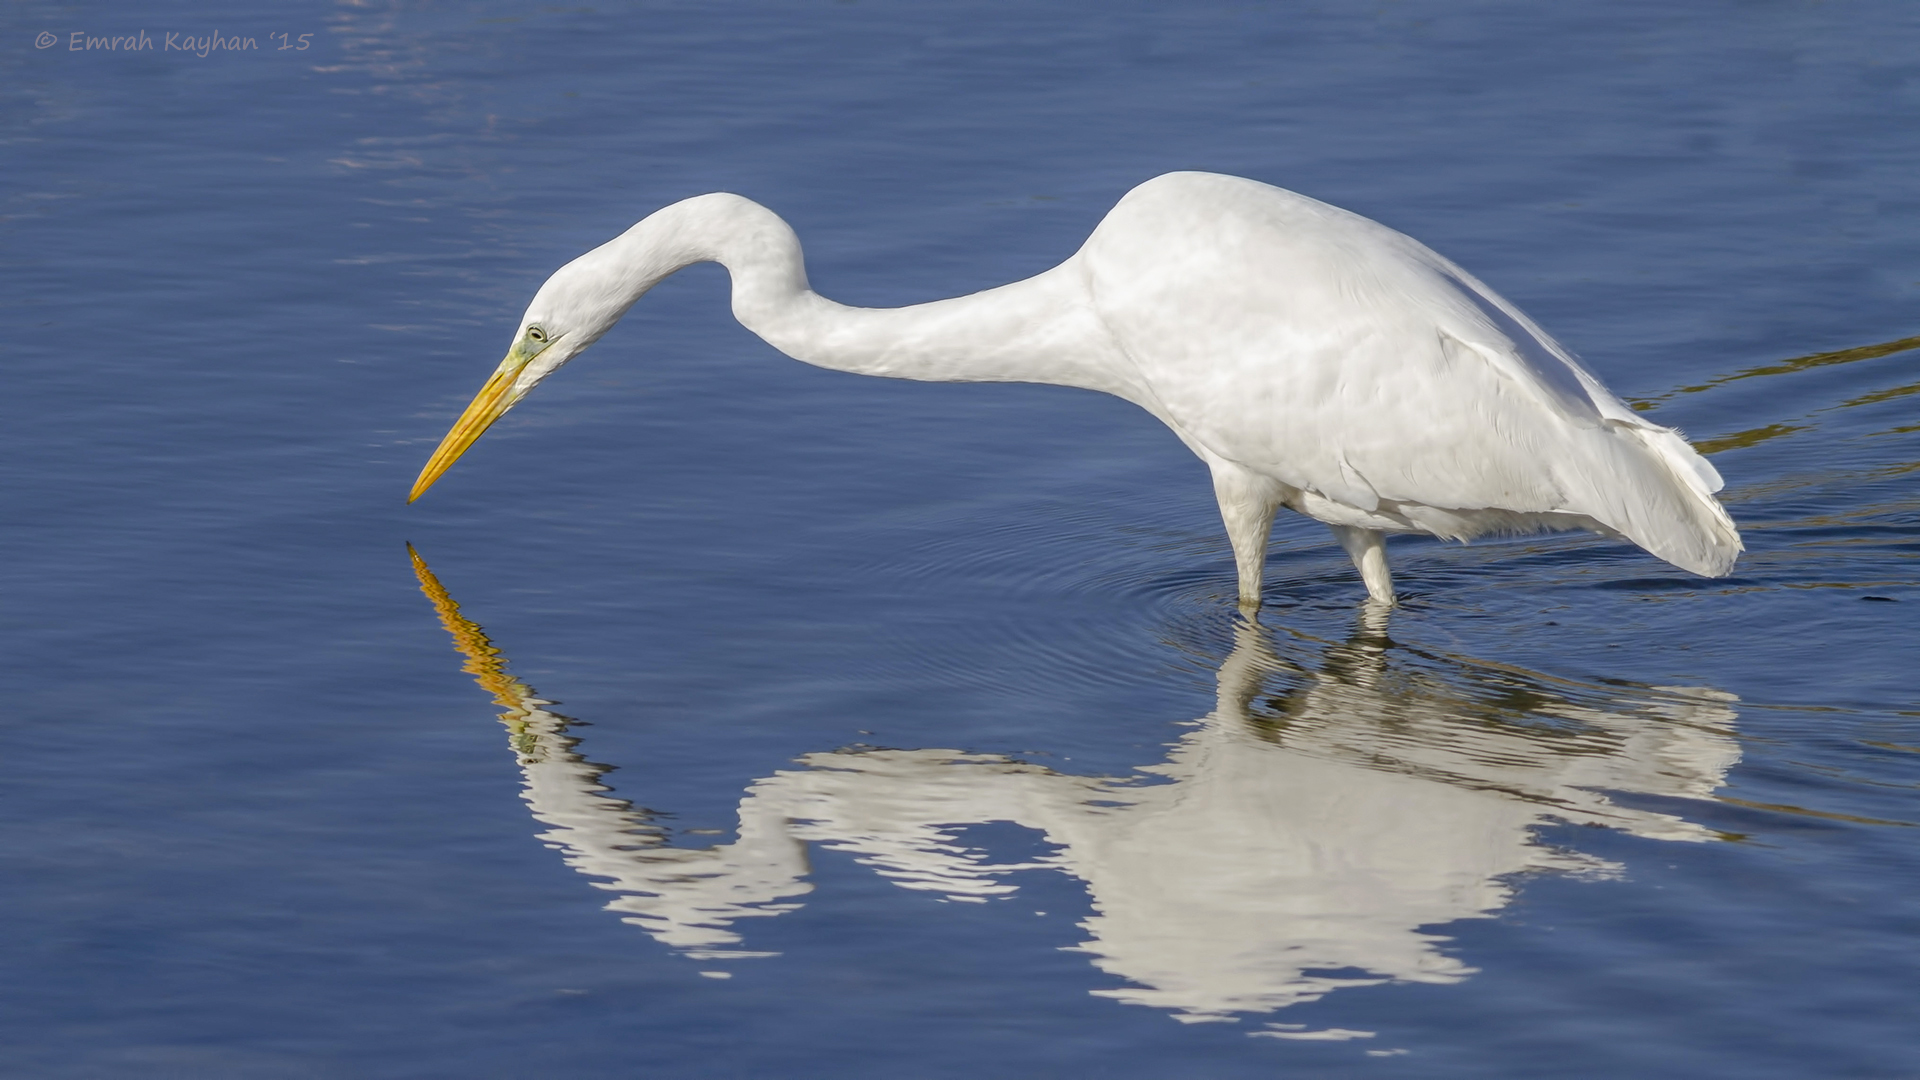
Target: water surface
x=909 y=730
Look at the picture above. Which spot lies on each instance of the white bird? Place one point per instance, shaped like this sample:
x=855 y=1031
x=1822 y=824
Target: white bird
x=1313 y=358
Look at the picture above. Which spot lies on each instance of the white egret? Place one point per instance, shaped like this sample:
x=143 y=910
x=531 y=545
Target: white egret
x=1313 y=358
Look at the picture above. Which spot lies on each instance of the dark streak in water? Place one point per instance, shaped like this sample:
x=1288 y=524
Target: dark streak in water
x=1788 y=367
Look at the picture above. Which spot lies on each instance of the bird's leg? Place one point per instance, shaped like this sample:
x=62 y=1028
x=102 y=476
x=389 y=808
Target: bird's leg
x=1368 y=549
x=1247 y=505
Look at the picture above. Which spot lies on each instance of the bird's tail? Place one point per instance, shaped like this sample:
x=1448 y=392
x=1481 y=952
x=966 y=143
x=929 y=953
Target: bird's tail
x=1657 y=491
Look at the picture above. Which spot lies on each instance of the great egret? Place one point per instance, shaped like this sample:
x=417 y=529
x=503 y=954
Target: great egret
x=1314 y=359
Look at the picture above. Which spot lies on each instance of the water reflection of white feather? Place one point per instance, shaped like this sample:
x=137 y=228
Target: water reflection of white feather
x=1303 y=837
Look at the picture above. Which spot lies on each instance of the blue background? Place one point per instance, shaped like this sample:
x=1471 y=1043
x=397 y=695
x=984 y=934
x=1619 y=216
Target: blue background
x=261 y=825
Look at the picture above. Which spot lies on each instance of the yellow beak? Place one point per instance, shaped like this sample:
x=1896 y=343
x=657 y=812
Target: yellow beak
x=490 y=404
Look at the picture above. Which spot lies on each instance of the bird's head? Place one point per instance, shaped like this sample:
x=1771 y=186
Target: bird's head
x=576 y=306
x=584 y=298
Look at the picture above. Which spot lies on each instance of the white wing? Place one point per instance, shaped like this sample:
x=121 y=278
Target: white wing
x=1355 y=365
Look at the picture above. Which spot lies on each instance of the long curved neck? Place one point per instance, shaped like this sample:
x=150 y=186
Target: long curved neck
x=1043 y=329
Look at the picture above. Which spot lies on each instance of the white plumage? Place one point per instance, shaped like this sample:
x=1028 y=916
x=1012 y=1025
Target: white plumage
x=1311 y=357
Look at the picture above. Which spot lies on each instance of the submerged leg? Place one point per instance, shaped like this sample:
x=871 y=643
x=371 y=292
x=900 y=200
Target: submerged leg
x=1368 y=549
x=1247 y=505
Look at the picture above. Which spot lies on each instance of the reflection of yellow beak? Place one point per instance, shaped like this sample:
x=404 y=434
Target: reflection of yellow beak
x=484 y=662
x=491 y=403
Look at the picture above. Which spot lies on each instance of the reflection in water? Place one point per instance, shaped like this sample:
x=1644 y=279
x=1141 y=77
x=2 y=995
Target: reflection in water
x=1339 y=799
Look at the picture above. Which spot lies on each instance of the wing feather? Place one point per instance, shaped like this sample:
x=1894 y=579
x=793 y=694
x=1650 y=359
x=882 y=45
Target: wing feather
x=1352 y=363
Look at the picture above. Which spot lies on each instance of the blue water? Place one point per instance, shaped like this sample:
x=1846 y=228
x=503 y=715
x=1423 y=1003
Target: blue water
x=907 y=729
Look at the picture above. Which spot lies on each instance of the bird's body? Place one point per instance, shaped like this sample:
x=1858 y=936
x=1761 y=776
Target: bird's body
x=1311 y=357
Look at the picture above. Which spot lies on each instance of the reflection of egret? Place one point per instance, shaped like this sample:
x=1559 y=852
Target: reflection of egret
x=1312 y=358
x=680 y=895
x=1296 y=841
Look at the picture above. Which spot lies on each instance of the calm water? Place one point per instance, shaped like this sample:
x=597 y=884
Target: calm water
x=907 y=729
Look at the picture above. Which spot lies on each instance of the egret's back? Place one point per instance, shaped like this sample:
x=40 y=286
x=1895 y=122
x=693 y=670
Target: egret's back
x=1379 y=382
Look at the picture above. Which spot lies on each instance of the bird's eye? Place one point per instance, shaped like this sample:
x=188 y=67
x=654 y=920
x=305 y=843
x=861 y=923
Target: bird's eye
x=536 y=333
